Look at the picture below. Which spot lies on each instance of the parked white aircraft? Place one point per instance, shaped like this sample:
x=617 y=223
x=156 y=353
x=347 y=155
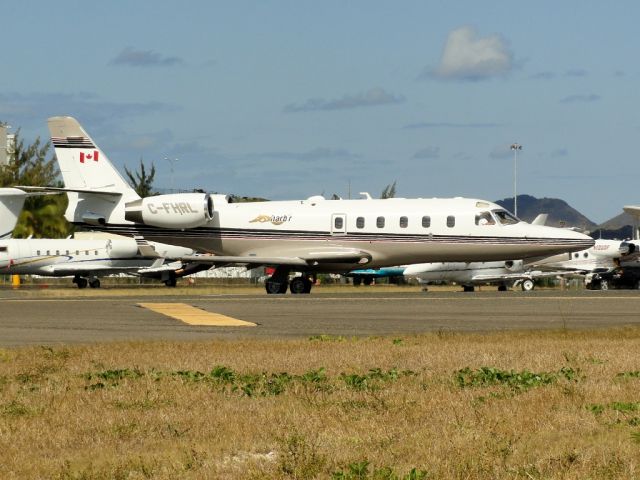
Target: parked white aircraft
x=605 y=254
x=84 y=258
x=88 y=259
x=312 y=235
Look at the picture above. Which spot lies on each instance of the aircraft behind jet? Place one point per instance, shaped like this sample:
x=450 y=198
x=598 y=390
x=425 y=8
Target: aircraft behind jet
x=85 y=258
x=604 y=255
x=306 y=236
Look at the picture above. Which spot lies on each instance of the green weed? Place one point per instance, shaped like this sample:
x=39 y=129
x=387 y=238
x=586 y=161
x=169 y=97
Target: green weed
x=518 y=381
x=361 y=471
x=327 y=338
x=14 y=409
x=300 y=458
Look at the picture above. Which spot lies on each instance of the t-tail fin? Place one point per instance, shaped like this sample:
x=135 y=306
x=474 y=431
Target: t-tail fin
x=11 y=202
x=90 y=179
x=82 y=164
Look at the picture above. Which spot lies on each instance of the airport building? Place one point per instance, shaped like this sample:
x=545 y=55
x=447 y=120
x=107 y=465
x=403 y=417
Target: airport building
x=7 y=145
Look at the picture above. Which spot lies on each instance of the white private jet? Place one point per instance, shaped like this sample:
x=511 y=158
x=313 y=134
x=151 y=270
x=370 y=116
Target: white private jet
x=604 y=255
x=306 y=236
x=84 y=258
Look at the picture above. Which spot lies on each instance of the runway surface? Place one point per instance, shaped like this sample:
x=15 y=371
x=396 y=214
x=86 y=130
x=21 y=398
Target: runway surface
x=30 y=319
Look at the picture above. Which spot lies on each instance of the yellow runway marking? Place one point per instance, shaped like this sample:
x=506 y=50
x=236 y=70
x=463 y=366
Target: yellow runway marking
x=195 y=316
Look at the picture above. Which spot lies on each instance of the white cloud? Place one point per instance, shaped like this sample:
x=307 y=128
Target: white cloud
x=144 y=58
x=581 y=98
x=370 y=98
x=427 y=153
x=466 y=56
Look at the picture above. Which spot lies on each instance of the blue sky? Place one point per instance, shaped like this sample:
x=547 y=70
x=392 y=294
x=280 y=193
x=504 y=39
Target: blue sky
x=287 y=99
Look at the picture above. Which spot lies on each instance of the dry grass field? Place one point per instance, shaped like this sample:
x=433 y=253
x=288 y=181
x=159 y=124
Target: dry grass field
x=468 y=406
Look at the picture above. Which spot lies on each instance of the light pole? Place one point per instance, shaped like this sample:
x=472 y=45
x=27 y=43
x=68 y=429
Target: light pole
x=171 y=162
x=515 y=147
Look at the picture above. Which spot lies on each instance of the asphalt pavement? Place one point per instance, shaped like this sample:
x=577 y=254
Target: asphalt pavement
x=28 y=319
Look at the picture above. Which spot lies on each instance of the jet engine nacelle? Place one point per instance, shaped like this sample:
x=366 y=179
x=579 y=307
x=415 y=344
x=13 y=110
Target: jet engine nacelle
x=627 y=248
x=179 y=210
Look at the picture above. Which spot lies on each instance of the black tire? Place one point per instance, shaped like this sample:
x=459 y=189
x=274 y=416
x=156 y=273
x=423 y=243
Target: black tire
x=502 y=288
x=527 y=285
x=272 y=287
x=357 y=280
x=171 y=283
x=367 y=280
x=94 y=283
x=298 y=285
x=81 y=282
x=468 y=288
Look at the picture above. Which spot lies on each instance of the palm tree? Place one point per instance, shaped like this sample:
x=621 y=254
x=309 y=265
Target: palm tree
x=142 y=182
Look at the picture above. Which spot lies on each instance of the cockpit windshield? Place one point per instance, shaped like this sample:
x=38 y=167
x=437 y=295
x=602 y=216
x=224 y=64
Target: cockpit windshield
x=485 y=218
x=505 y=218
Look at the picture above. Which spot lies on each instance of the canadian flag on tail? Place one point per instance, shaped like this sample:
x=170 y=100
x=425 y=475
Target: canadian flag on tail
x=89 y=156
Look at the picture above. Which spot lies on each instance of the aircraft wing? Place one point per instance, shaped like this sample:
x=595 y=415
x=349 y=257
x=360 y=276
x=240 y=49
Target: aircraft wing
x=519 y=276
x=302 y=259
x=78 y=268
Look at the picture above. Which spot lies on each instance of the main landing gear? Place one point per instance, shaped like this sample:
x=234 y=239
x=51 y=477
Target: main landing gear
x=279 y=282
x=82 y=282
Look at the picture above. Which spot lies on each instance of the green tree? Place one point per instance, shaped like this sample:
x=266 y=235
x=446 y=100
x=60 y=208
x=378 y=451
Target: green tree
x=43 y=215
x=141 y=181
x=389 y=191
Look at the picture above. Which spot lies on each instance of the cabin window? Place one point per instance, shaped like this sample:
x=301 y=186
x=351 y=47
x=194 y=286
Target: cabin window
x=451 y=221
x=360 y=222
x=86 y=252
x=338 y=223
x=4 y=249
x=426 y=221
x=48 y=252
x=57 y=252
x=380 y=222
x=585 y=255
x=77 y=252
x=576 y=255
x=96 y=252
x=485 y=218
x=38 y=252
x=404 y=222
x=67 y=252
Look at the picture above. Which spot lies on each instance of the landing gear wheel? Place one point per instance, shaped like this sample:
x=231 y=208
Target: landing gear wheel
x=367 y=280
x=604 y=284
x=527 y=285
x=95 y=283
x=468 y=288
x=81 y=282
x=357 y=280
x=300 y=285
x=274 y=287
x=171 y=282
x=502 y=288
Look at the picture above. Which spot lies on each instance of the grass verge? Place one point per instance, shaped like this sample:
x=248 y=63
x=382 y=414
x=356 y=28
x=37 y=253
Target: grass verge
x=445 y=405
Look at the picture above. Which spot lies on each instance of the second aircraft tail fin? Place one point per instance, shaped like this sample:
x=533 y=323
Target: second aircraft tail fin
x=11 y=202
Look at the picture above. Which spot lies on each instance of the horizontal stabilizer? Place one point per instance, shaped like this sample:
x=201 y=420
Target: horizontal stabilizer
x=54 y=190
